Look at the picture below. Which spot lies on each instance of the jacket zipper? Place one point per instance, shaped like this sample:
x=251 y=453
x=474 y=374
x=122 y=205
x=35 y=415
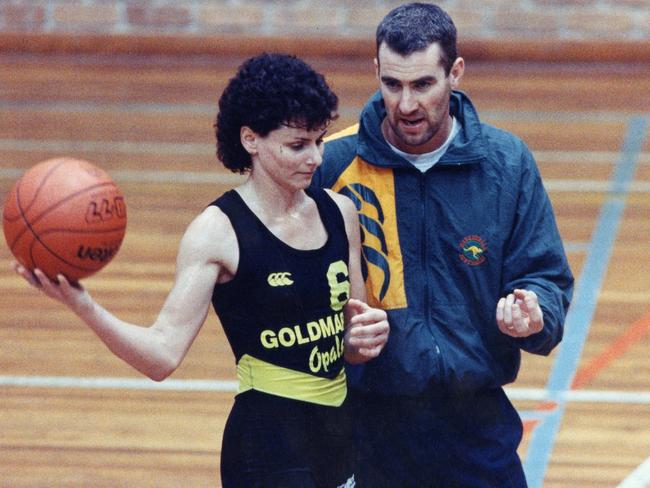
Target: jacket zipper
x=423 y=257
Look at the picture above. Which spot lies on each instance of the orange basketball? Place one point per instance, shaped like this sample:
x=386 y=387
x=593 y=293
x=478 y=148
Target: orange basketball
x=64 y=216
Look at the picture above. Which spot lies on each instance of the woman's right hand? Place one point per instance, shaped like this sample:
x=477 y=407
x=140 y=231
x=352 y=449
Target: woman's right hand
x=73 y=296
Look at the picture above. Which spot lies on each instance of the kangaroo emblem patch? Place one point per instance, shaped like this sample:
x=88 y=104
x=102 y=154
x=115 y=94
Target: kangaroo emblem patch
x=473 y=250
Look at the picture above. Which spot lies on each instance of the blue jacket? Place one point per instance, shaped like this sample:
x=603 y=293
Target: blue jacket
x=440 y=248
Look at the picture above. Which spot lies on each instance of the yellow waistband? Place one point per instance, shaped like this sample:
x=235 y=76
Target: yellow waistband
x=259 y=375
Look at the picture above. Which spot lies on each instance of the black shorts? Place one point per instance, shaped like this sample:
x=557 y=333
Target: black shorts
x=275 y=442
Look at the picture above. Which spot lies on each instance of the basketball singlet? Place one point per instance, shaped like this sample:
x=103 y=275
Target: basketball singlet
x=283 y=316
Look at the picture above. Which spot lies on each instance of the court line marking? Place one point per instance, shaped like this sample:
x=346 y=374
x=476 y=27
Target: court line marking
x=585 y=299
x=632 y=335
x=579 y=396
x=571 y=247
x=225 y=386
x=639 y=478
x=145 y=384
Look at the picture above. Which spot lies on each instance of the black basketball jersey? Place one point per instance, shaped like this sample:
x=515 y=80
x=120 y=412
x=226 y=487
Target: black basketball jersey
x=283 y=310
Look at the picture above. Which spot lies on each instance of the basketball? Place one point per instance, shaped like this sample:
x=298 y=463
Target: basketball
x=66 y=216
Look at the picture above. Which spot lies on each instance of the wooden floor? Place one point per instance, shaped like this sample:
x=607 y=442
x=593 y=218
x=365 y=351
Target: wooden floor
x=71 y=415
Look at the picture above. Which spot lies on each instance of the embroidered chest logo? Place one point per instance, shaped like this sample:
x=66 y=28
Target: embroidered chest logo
x=473 y=250
x=280 y=279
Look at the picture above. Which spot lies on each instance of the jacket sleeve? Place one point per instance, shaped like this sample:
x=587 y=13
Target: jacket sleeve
x=534 y=258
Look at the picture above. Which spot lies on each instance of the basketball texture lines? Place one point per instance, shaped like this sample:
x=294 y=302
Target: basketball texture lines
x=64 y=216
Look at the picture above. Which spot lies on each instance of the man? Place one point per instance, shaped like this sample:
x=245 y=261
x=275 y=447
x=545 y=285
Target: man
x=462 y=249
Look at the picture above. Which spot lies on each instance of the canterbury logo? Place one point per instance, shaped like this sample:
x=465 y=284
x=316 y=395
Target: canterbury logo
x=359 y=194
x=280 y=279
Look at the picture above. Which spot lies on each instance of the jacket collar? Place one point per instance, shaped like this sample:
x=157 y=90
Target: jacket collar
x=467 y=147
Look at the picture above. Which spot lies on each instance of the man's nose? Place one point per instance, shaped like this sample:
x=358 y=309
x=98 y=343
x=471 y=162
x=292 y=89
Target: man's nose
x=408 y=102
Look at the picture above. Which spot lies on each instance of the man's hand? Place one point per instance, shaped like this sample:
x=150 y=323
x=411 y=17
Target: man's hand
x=519 y=314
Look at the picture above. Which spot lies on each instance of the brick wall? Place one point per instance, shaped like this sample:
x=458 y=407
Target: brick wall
x=584 y=20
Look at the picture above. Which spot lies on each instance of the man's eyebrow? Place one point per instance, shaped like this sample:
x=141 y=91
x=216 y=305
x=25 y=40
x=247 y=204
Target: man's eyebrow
x=425 y=78
x=385 y=78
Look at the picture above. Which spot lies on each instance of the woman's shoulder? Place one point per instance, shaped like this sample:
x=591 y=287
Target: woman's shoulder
x=211 y=233
x=347 y=208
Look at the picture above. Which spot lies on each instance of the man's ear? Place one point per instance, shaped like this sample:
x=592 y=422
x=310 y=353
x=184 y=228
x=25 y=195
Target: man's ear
x=456 y=72
x=248 y=139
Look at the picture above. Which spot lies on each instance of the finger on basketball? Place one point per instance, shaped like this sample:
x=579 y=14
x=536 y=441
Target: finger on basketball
x=26 y=274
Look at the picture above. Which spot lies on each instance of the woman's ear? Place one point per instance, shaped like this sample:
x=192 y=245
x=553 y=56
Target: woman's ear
x=248 y=139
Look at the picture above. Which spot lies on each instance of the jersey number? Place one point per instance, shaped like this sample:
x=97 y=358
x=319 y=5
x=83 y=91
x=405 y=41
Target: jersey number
x=337 y=278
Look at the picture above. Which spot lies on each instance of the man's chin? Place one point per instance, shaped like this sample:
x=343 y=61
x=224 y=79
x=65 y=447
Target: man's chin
x=410 y=142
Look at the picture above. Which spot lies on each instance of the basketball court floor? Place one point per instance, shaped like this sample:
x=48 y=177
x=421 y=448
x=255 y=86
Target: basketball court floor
x=71 y=415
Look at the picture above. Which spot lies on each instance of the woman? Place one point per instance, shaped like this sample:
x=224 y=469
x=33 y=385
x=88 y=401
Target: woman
x=280 y=263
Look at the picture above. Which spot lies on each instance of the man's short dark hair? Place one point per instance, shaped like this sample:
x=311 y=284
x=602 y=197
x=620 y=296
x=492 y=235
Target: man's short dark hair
x=268 y=91
x=414 y=27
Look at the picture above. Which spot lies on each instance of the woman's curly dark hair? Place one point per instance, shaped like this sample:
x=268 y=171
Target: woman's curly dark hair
x=268 y=91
